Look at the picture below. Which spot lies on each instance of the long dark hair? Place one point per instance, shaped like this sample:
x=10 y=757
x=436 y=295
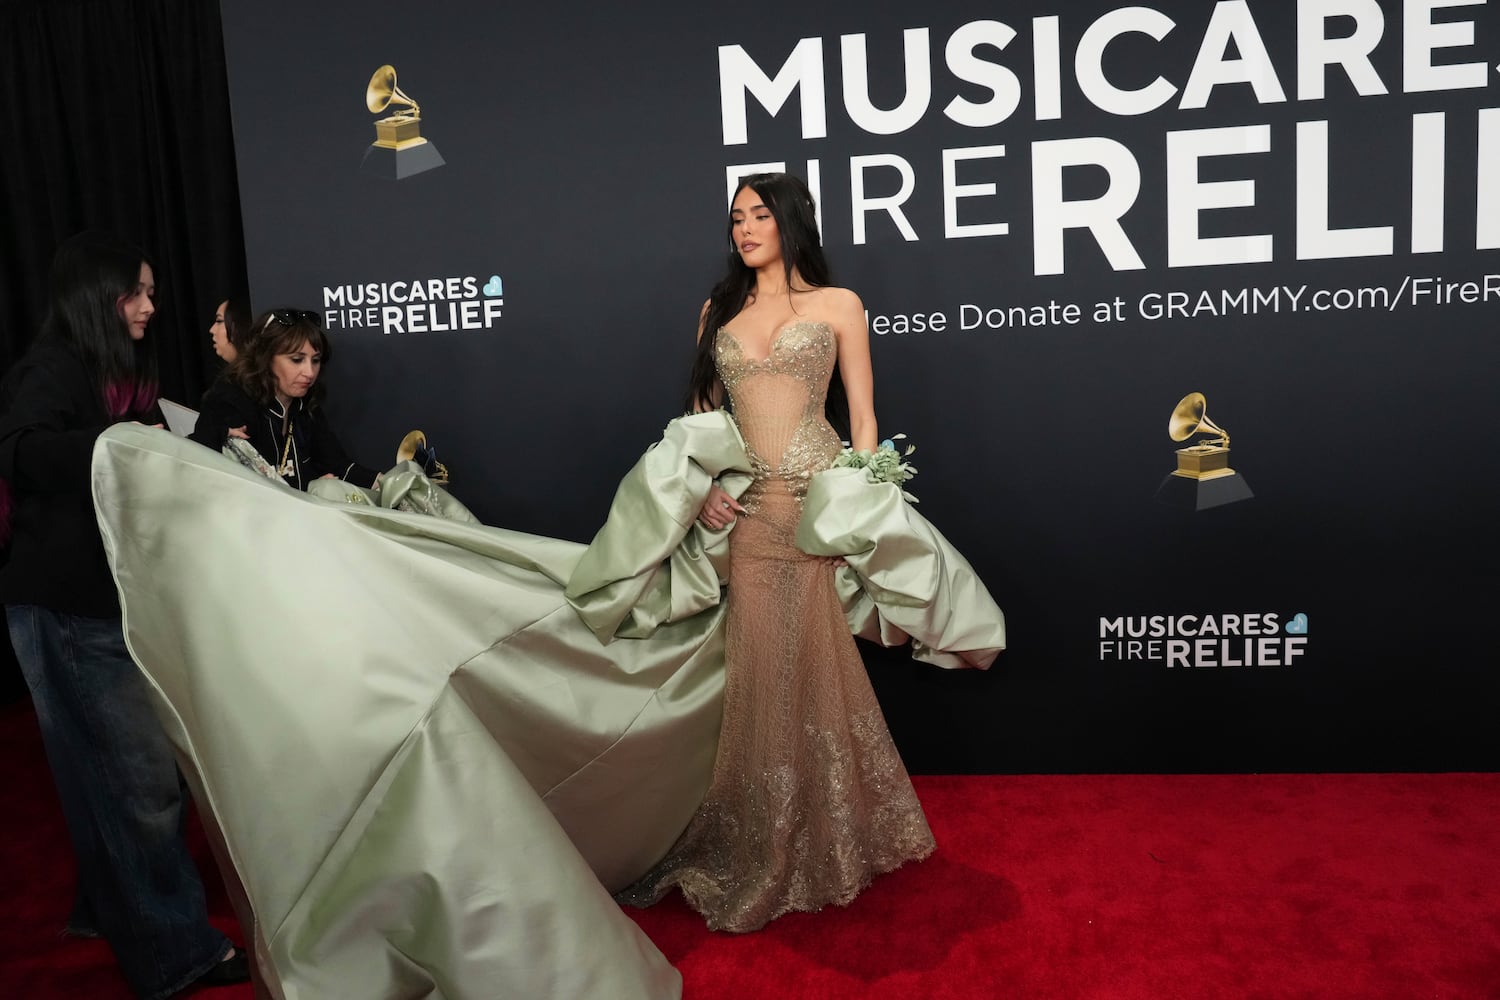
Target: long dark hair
x=279 y=331
x=237 y=320
x=91 y=274
x=791 y=205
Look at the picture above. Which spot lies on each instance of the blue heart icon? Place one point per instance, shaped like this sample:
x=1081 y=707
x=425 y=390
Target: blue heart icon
x=1298 y=625
x=493 y=289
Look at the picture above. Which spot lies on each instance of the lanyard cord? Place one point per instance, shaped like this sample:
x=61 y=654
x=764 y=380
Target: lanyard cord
x=289 y=463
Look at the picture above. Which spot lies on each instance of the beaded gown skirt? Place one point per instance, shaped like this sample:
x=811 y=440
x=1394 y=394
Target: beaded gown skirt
x=809 y=798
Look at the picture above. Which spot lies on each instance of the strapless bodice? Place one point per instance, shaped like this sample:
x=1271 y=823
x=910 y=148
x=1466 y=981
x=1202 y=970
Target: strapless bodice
x=802 y=349
x=778 y=400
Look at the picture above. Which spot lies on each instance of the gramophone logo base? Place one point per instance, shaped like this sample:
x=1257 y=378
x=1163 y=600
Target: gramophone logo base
x=399 y=164
x=1201 y=494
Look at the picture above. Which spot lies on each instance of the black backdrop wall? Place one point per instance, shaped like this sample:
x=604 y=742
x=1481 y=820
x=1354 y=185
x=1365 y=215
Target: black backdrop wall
x=1249 y=200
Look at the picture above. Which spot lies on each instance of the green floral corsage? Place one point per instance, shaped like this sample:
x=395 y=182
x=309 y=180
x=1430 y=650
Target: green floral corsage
x=883 y=465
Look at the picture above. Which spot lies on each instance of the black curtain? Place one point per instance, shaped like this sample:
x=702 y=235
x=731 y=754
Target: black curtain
x=118 y=119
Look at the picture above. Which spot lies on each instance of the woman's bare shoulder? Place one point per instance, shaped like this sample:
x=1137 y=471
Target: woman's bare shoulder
x=835 y=300
x=835 y=297
x=839 y=305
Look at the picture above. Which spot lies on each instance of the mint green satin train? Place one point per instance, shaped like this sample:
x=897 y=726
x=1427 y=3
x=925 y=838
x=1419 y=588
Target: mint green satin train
x=426 y=750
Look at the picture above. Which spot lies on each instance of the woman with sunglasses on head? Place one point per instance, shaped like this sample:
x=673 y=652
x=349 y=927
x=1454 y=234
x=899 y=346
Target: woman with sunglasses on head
x=116 y=774
x=271 y=396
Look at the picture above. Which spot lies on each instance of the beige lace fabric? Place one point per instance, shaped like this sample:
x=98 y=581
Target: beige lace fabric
x=809 y=799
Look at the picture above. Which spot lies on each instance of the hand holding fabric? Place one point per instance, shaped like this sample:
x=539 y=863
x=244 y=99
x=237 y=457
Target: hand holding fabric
x=720 y=510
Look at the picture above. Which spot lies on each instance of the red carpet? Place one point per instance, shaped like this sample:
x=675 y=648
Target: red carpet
x=1242 y=887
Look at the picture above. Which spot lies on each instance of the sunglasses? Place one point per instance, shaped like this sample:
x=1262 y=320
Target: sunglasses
x=291 y=317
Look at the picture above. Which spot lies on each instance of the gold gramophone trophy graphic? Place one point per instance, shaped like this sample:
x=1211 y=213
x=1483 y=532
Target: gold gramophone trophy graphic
x=399 y=150
x=1203 y=478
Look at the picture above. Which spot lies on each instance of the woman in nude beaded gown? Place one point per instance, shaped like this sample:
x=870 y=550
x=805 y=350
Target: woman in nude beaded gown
x=809 y=799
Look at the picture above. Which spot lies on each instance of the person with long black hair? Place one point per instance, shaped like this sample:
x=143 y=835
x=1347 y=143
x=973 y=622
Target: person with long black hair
x=91 y=367
x=809 y=798
x=231 y=328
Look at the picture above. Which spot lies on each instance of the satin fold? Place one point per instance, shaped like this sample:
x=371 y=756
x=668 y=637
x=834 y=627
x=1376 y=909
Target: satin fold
x=904 y=579
x=653 y=562
x=382 y=714
x=405 y=487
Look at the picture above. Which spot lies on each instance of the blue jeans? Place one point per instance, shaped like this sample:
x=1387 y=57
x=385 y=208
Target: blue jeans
x=122 y=798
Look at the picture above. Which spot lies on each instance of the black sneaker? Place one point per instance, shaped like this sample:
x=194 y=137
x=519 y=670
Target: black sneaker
x=231 y=970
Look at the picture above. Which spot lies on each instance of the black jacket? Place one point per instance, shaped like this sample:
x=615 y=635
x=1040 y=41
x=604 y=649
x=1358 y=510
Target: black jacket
x=52 y=414
x=310 y=449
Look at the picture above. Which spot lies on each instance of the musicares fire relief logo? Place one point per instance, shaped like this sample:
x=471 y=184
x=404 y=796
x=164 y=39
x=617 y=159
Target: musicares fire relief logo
x=421 y=305
x=1258 y=639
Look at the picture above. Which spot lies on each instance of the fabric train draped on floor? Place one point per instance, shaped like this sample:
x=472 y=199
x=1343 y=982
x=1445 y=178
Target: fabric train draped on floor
x=429 y=750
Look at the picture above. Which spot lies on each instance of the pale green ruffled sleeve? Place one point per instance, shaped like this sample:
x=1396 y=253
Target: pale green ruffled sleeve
x=904 y=578
x=653 y=562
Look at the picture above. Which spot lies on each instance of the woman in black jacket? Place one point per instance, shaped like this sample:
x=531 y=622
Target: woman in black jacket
x=271 y=396
x=114 y=768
